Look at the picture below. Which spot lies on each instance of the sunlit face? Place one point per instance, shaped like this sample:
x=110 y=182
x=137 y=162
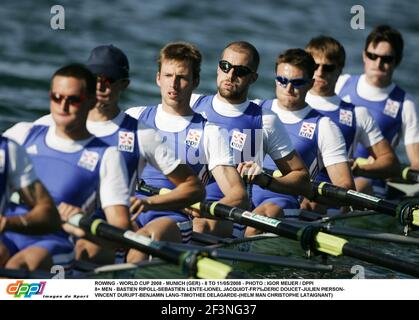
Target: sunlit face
x=378 y=72
x=176 y=83
x=233 y=88
x=325 y=76
x=70 y=115
x=288 y=96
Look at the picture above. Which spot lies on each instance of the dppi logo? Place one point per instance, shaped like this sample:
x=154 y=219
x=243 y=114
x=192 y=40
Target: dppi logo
x=27 y=290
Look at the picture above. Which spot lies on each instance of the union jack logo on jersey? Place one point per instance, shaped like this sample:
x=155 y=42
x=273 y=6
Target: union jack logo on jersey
x=307 y=130
x=392 y=108
x=345 y=117
x=2 y=161
x=193 y=138
x=126 y=140
x=88 y=160
x=238 y=139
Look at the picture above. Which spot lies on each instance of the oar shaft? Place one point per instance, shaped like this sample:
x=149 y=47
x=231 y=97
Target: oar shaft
x=250 y=219
x=381 y=259
x=192 y=263
x=355 y=198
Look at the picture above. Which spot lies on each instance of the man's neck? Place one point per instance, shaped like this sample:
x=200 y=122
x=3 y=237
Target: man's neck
x=378 y=83
x=179 y=110
x=231 y=101
x=103 y=113
x=330 y=93
x=74 y=134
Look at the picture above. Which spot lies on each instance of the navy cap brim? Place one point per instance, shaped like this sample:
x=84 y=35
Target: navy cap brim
x=109 y=71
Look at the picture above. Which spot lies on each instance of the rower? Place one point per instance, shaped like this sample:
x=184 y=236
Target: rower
x=139 y=145
x=18 y=175
x=393 y=109
x=197 y=142
x=316 y=138
x=77 y=169
x=356 y=122
x=252 y=131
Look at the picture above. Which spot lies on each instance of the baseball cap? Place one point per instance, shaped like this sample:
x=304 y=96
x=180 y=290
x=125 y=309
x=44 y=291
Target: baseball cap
x=109 y=61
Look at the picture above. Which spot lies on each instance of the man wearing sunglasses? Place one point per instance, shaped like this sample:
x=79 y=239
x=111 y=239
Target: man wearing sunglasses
x=355 y=122
x=78 y=169
x=17 y=174
x=197 y=142
x=392 y=108
x=316 y=138
x=252 y=131
x=139 y=144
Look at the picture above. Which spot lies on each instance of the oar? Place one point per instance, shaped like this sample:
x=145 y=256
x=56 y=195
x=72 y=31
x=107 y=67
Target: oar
x=406 y=211
x=359 y=233
x=218 y=253
x=193 y=264
x=311 y=237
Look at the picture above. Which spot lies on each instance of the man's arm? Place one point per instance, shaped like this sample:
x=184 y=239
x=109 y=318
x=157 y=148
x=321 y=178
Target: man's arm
x=189 y=190
x=295 y=179
x=413 y=155
x=43 y=218
x=385 y=164
x=232 y=186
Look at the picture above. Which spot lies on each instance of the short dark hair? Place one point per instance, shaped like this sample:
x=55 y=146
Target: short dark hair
x=298 y=58
x=182 y=51
x=78 y=71
x=246 y=47
x=388 y=34
x=328 y=47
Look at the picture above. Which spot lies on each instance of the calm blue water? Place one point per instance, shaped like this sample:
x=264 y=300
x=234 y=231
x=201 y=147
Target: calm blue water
x=31 y=51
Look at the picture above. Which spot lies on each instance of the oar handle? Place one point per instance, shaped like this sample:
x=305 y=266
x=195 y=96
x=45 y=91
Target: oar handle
x=410 y=175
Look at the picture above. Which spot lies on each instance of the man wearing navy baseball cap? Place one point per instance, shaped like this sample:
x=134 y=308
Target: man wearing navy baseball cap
x=109 y=61
x=111 y=66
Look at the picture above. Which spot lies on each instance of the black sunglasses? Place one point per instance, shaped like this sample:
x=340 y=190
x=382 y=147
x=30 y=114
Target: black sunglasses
x=326 y=67
x=373 y=56
x=73 y=100
x=296 y=82
x=239 y=71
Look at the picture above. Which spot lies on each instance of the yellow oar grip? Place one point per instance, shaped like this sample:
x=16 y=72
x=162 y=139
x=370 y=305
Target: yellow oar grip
x=330 y=244
x=277 y=174
x=211 y=269
x=164 y=191
x=405 y=172
x=320 y=188
x=361 y=161
x=94 y=225
x=415 y=214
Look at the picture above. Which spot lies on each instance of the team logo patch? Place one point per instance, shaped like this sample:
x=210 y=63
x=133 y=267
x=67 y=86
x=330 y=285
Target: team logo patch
x=345 y=117
x=392 y=108
x=126 y=140
x=193 y=138
x=307 y=130
x=88 y=160
x=2 y=161
x=238 y=139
